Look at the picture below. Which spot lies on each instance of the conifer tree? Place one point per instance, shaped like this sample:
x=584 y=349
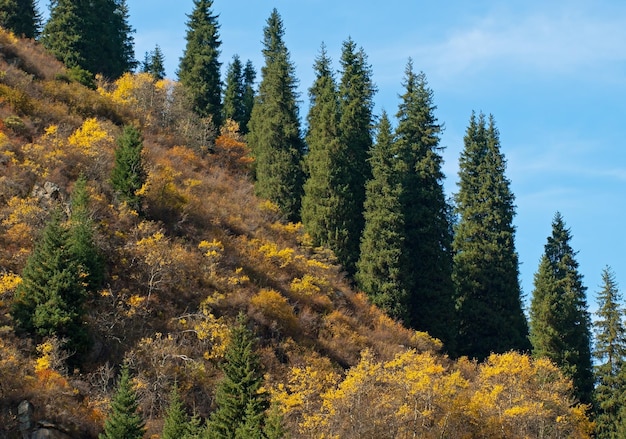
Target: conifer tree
x=426 y=255
x=176 y=424
x=49 y=300
x=128 y=174
x=93 y=36
x=356 y=103
x=20 y=17
x=274 y=136
x=560 y=325
x=486 y=272
x=124 y=421
x=82 y=240
x=199 y=69
x=154 y=63
x=325 y=191
x=610 y=356
x=379 y=269
x=240 y=402
x=249 y=75
x=233 y=107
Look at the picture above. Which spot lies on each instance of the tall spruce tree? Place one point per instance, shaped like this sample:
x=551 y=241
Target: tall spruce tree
x=356 y=104
x=128 y=174
x=249 y=75
x=154 y=63
x=233 y=107
x=610 y=356
x=124 y=421
x=20 y=17
x=325 y=191
x=241 y=404
x=560 y=325
x=426 y=256
x=199 y=69
x=379 y=269
x=275 y=137
x=486 y=268
x=49 y=300
x=94 y=36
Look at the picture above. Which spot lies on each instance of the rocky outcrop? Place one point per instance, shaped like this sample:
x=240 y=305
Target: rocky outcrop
x=31 y=429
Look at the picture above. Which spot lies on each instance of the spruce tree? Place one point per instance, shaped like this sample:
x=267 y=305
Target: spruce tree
x=154 y=63
x=241 y=404
x=426 y=256
x=356 y=103
x=233 y=107
x=325 y=191
x=176 y=424
x=93 y=36
x=128 y=174
x=82 y=238
x=199 y=69
x=249 y=75
x=49 y=300
x=379 y=269
x=124 y=421
x=610 y=356
x=20 y=17
x=486 y=268
x=560 y=325
x=274 y=136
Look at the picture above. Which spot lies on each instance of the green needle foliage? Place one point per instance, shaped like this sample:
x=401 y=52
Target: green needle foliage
x=154 y=63
x=610 y=356
x=241 y=404
x=199 y=69
x=379 y=269
x=20 y=17
x=560 y=325
x=426 y=256
x=49 y=301
x=239 y=93
x=124 y=421
x=274 y=136
x=176 y=424
x=486 y=267
x=128 y=174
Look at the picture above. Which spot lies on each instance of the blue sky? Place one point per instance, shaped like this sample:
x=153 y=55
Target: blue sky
x=553 y=74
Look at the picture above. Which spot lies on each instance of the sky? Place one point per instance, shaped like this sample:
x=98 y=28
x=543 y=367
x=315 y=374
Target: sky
x=553 y=75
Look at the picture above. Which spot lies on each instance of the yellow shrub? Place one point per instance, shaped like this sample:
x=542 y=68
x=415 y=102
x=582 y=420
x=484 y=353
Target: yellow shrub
x=275 y=308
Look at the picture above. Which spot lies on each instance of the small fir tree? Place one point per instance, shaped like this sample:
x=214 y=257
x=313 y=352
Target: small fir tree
x=610 y=356
x=274 y=136
x=124 y=420
x=233 y=91
x=249 y=75
x=486 y=267
x=154 y=63
x=20 y=17
x=560 y=325
x=128 y=174
x=176 y=424
x=241 y=404
x=199 y=69
x=49 y=300
x=379 y=269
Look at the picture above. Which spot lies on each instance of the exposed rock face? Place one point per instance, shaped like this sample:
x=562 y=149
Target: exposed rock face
x=37 y=430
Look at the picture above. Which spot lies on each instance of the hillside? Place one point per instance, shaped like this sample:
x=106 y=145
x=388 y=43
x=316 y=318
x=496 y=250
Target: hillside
x=200 y=250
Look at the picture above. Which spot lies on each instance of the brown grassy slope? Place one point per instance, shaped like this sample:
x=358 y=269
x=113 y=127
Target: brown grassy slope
x=203 y=249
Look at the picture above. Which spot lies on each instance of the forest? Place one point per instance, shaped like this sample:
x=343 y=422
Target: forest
x=194 y=259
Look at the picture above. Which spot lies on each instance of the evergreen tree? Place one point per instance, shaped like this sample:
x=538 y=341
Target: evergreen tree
x=610 y=355
x=199 y=69
x=128 y=174
x=154 y=63
x=49 y=300
x=325 y=192
x=82 y=240
x=274 y=136
x=356 y=103
x=124 y=421
x=94 y=36
x=426 y=257
x=379 y=269
x=240 y=402
x=559 y=321
x=486 y=268
x=249 y=75
x=274 y=428
x=176 y=424
x=20 y=17
x=233 y=92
